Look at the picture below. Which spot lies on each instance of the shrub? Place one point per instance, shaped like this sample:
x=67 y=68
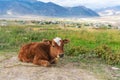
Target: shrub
x=106 y=53
x=77 y=51
x=103 y=52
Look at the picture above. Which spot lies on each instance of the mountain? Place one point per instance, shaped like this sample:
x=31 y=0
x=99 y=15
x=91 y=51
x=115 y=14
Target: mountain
x=34 y=7
x=115 y=10
x=81 y=11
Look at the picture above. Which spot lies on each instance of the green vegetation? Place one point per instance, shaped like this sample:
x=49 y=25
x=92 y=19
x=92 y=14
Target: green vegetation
x=93 y=49
x=83 y=42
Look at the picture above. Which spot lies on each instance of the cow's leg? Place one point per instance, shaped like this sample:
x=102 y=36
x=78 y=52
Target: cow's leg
x=41 y=62
x=24 y=59
x=54 y=61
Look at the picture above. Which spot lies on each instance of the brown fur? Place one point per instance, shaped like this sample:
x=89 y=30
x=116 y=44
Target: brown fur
x=41 y=53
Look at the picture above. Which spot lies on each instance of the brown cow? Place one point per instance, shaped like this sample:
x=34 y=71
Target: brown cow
x=43 y=53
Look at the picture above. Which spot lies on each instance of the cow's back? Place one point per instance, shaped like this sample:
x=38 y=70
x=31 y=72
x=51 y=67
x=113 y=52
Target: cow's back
x=28 y=51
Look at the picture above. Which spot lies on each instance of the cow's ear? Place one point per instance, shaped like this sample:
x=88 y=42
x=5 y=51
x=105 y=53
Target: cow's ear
x=45 y=40
x=49 y=42
x=66 y=41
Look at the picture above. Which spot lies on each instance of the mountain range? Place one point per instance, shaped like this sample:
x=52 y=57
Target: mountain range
x=115 y=10
x=34 y=7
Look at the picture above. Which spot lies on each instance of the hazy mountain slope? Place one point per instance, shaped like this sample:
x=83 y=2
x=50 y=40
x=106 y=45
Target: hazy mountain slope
x=115 y=10
x=81 y=11
x=34 y=7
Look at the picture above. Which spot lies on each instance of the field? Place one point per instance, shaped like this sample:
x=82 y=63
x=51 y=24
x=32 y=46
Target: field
x=93 y=50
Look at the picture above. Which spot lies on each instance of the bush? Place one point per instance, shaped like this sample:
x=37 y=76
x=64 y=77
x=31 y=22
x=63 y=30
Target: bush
x=103 y=52
x=77 y=51
x=106 y=53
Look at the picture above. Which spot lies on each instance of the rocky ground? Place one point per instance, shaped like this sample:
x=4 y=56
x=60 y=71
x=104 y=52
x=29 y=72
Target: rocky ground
x=12 y=69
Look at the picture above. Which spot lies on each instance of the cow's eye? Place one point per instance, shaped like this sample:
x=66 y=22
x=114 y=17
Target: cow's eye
x=53 y=46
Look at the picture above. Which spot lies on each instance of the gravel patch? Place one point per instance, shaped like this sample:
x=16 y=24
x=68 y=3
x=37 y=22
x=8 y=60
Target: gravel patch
x=13 y=69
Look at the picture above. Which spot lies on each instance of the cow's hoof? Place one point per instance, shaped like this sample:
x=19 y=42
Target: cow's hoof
x=46 y=64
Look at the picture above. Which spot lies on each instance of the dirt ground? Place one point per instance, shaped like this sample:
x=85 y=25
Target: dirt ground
x=12 y=69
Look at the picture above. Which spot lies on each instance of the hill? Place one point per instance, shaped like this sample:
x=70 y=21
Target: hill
x=34 y=7
x=115 y=10
x=81 y=11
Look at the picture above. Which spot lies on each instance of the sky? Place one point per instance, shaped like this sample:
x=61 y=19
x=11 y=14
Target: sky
x=94 y=4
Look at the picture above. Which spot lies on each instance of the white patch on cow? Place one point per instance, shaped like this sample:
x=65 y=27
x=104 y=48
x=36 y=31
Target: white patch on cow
x=57 y=40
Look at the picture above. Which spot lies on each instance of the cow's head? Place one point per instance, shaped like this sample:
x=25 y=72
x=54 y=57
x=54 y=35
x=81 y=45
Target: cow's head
x=56 y=47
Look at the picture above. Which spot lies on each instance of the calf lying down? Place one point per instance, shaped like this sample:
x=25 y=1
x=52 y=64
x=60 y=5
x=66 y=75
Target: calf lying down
x=43 y=53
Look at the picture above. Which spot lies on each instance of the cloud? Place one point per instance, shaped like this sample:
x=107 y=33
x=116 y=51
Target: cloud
x=87 y=3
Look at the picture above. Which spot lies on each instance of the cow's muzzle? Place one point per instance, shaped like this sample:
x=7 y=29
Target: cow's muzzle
x=61 y=55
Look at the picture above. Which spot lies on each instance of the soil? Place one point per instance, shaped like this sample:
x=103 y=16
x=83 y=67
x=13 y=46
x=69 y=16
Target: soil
x=12 y=69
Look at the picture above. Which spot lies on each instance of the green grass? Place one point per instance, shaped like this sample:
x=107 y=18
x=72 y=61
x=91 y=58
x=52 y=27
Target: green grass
x=81 y=48
x=16 y=35
x=12 y=37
